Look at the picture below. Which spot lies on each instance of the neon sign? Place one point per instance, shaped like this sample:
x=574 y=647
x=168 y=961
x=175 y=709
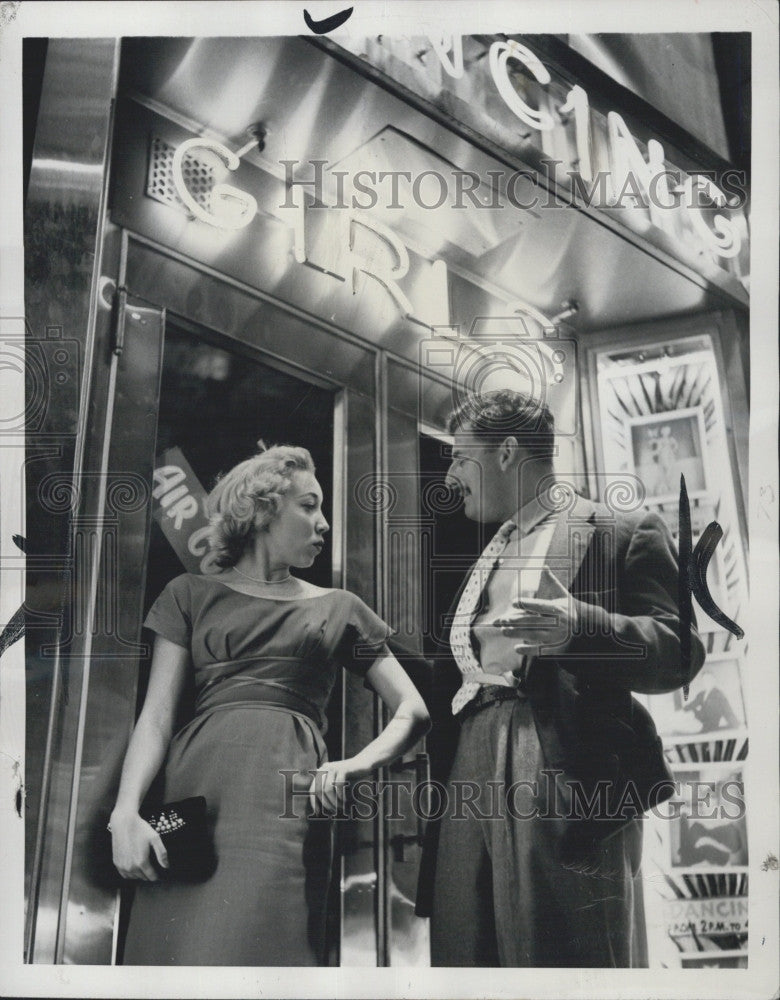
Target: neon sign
x=234 y=209
x=359 y=248
x=499 y=55
x=695 y=214
x=658 y=196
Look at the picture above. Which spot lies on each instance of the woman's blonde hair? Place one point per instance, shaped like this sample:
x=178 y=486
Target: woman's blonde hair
x=251 y=488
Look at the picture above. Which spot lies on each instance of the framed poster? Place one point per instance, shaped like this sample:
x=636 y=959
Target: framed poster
x=665 y=446
x=708 y=830
x=715 y=703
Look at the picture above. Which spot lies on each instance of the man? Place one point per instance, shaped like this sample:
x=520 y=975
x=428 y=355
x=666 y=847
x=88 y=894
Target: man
x=570 y=608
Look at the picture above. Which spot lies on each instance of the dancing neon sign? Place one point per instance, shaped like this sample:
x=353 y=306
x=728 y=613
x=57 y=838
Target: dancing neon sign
x=584 y=146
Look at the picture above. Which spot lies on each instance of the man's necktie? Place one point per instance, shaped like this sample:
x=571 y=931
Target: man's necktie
x=460 y=633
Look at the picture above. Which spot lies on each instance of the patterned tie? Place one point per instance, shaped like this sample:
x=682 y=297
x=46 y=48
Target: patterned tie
x=460 y=633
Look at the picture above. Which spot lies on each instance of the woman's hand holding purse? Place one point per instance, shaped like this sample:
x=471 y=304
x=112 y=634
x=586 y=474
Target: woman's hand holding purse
x=133 y=841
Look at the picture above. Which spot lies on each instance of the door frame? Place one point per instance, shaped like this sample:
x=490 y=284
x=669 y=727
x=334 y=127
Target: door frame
x=97 y=445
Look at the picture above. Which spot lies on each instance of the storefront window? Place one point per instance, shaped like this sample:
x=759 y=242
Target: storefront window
x=661 y=417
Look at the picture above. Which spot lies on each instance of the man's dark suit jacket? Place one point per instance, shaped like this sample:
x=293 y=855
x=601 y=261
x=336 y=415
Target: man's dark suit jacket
x=623 y=574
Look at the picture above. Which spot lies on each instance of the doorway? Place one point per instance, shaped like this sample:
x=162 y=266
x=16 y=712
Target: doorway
x=217 y=403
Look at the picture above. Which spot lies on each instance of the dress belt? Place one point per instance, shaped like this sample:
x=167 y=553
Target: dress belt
x=250 y=691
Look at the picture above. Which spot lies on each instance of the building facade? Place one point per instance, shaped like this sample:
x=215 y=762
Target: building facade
x=285 y=238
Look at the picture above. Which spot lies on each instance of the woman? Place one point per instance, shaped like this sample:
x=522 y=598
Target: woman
x=265 y=647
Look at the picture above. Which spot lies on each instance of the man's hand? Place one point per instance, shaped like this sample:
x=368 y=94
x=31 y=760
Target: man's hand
x=541 y=621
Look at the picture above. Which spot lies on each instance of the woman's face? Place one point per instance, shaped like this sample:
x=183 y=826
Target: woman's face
x=295 y=536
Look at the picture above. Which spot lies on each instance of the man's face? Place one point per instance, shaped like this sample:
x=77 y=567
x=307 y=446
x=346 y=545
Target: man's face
x=476 y=473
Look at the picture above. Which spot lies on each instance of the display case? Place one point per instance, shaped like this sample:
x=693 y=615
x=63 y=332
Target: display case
x=662 y=403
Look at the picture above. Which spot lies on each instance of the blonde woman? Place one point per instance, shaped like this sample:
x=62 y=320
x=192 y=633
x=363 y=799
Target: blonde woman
x=264 y=648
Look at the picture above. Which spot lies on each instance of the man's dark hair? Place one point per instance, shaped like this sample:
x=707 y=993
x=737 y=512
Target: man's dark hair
x=498 y=414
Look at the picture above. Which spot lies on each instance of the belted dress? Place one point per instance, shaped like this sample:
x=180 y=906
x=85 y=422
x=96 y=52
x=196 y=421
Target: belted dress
x=264 y=669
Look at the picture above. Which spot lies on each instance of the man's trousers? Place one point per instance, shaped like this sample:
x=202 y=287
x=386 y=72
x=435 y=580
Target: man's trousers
x=502 y=897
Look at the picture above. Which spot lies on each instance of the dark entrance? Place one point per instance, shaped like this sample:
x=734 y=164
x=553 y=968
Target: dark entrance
x=456 y=543
x=217 y=401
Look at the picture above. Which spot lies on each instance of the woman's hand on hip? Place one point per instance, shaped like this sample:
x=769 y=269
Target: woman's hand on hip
x=329 y=787
x=133 y=842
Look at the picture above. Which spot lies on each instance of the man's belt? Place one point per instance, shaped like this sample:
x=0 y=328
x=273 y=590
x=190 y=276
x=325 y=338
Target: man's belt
x=489 y=694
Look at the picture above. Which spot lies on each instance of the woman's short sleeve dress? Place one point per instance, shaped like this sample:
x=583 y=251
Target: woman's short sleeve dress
x=263 y=672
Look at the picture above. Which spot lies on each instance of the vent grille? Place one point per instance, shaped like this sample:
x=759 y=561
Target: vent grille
x=199 y=176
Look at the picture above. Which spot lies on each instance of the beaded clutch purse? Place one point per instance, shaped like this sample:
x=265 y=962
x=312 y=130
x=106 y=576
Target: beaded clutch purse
x=183 y=827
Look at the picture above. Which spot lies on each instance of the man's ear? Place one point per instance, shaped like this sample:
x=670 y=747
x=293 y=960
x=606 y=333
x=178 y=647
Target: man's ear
x=508 y=452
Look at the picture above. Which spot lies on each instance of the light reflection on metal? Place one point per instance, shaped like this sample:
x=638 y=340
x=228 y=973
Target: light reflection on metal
x=45 y=165
x=64 y=180
x=66 y=196
x=358 y=934
x=409 y=934
x=106 y=290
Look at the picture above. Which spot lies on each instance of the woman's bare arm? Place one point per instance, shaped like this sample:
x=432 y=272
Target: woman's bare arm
x=408 y=723
x=132 y=837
